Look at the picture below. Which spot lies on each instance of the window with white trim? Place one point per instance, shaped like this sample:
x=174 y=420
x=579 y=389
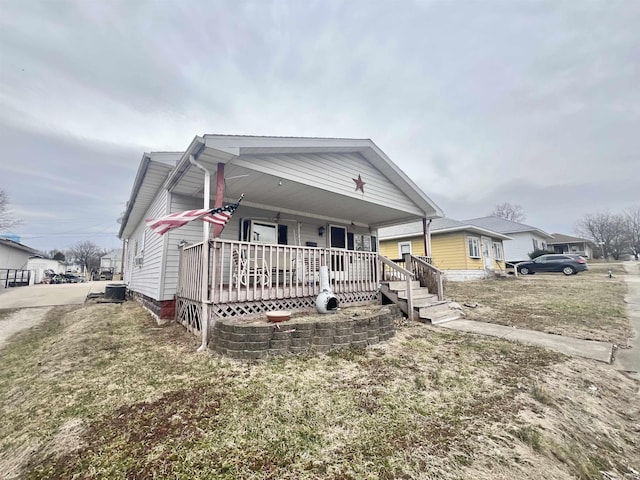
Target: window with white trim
x=259 y=231
x=337 y=236
x=474 y=247
x=404 y=247
x=497 y=251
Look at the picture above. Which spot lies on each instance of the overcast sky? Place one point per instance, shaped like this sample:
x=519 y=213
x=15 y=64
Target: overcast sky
x=479 y=102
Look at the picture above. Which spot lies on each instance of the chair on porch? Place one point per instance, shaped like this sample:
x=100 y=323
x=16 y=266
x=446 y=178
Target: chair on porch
x=244 y=270
x=310 y=270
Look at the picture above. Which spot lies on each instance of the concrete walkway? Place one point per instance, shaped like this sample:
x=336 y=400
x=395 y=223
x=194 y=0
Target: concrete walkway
x=49 y=295
x=600 y=351
x=629 y=359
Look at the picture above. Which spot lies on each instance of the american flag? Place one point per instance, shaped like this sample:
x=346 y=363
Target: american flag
x=217 y=216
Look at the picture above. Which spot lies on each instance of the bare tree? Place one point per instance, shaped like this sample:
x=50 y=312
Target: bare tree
x=607 y=230
x=509 y=212
x=632 y=220
x=7 y=220
x=87 y=254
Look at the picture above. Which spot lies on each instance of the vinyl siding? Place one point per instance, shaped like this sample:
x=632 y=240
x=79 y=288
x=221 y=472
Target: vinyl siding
x=520 y=246
x=13 y=258
x=449 y=251
x=335 y=172
x=146 y=278
x=300 y=230
x=391 y=248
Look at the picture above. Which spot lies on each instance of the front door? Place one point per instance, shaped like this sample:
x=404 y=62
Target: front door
x=487 y=254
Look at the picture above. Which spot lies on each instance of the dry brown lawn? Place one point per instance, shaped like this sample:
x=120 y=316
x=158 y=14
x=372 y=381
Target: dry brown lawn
x=589 y=305
x=101 y=392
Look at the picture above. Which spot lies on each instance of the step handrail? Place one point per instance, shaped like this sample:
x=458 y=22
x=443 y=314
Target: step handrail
x=439 y=273
x=409 y=277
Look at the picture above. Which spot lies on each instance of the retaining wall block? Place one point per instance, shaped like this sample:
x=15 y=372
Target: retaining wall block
x=342 y=339
x=322 y=341
x=280 y=344
x=300 y=342
x=278 y=335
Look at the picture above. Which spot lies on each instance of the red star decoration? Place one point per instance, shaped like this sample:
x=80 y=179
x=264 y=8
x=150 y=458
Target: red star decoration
x=359 y=183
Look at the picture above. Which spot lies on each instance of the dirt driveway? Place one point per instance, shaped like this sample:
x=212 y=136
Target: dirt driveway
x=34 y=302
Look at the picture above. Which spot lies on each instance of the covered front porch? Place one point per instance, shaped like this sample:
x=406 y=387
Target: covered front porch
x=248 y=279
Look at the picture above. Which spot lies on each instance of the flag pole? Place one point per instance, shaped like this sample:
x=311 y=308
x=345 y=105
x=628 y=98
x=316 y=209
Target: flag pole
x=204 y=323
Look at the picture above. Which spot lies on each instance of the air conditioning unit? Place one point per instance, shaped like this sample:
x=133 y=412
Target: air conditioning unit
x=138 y=261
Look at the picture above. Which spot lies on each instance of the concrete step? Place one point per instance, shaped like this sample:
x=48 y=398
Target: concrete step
x=438 y=313
x=401 y=284
x=416 y=293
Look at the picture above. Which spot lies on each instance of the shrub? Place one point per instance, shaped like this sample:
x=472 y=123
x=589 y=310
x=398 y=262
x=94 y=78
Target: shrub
x=537 y=252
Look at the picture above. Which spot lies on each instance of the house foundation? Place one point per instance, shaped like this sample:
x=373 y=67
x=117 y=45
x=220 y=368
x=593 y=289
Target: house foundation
x=161 y=309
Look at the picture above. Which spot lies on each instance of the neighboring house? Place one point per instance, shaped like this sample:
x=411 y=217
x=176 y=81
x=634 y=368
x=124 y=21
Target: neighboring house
x=524 y=238
x=13 y=261
x=38 y=264
x=112 y=261
x=562 y=243
x=462 y=251
x=308 y=202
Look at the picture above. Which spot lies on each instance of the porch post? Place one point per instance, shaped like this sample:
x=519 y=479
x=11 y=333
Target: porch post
x=426 y=234
x=204 y=325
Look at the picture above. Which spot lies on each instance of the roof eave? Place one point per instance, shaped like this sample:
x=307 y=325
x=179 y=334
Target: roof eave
x=142 y=169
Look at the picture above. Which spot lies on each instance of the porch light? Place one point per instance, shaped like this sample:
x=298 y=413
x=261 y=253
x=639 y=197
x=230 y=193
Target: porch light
x=321 y=231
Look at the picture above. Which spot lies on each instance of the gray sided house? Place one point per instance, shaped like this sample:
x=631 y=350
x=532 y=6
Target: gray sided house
x=308 y=202
x=524 y=238
x=562 y=243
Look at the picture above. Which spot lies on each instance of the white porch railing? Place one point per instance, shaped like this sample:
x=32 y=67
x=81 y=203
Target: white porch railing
x=247 y=278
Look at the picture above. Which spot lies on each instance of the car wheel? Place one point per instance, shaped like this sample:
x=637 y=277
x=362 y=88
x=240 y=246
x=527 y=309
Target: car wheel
x=568 y=270
x=524 y=270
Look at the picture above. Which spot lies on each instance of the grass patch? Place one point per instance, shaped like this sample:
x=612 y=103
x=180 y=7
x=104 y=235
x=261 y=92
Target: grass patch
x=589 y=305
x=101 y=392
x=530 y=436
x=540 y=394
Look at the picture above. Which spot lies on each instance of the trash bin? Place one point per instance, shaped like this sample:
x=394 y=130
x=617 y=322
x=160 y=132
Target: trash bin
x=115 y=291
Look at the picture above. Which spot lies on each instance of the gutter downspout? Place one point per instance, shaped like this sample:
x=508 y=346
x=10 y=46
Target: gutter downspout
x=205 y=258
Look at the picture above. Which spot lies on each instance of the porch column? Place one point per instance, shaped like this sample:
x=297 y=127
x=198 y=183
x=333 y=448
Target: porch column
x=204 y=324
x=426 y=234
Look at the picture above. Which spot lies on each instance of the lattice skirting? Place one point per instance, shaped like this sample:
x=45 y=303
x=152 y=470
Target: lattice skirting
x=227 y=310
x=189 y=314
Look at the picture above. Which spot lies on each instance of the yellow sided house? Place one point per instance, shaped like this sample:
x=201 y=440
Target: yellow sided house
x=462 y=251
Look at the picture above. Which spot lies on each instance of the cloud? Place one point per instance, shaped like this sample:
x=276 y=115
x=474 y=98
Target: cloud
x=469 y=98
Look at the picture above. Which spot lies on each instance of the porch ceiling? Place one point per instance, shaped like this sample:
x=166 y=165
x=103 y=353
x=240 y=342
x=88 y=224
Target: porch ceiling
x=279 y=194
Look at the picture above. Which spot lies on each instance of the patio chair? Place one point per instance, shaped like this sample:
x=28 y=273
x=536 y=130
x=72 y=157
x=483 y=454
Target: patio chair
x=245 y=270
x=310 y=270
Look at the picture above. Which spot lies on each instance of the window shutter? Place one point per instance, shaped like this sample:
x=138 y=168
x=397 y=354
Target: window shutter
x=244 y=230
x=282 y=234
x=350 y=244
